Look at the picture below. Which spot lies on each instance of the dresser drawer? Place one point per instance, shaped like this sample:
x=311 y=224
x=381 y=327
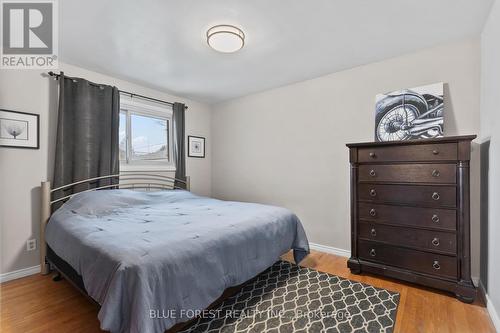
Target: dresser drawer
x=426 y=152
x=408 y=173
x=423 y=262
x=409 y=194
x=416 y=238
x=409 y=216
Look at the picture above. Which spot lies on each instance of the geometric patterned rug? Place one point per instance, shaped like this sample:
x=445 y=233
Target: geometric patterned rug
x=294 y=299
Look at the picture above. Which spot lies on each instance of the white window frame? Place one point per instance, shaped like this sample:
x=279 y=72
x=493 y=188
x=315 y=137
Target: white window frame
x=129 y=106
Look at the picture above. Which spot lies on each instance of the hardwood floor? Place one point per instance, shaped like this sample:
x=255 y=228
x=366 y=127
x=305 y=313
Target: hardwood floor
x=37 y=304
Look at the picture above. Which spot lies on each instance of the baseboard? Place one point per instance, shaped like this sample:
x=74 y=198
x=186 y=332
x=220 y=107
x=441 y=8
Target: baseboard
x=495 y=318
x=330 y=249
x=19 y=273
x=475 y=281
x=493 y=313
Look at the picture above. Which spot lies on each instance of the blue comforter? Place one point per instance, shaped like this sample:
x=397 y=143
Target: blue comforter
x=151 y=259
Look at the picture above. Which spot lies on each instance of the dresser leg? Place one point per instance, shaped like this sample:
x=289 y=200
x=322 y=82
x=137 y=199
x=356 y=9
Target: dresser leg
x=354 y=266
x=465 y=299
x=467 y=292
x=355 y=271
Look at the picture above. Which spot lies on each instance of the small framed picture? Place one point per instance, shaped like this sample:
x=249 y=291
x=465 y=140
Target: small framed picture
x=19 y=129
x=196 y=146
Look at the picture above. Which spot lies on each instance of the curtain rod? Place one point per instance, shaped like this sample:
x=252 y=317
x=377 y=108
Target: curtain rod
x=121 y=91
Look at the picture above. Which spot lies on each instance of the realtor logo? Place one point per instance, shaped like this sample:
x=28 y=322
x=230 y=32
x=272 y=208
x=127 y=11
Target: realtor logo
x=29 y=34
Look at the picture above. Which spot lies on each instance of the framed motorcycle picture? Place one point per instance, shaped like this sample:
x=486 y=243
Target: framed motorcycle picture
x=410 y=114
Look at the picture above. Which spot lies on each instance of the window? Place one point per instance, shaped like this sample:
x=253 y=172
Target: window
x=145 y=135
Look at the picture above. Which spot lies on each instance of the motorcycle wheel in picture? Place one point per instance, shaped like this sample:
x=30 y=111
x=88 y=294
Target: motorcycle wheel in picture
x=395 y=115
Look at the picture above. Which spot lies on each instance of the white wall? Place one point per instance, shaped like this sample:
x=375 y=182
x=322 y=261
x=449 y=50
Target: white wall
x=490 y=156
x=284 y=146
x=22 y=170
x=287 y=146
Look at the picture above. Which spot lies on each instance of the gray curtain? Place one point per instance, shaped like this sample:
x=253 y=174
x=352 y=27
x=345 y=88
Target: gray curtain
x=87 y=134
x=179 y=134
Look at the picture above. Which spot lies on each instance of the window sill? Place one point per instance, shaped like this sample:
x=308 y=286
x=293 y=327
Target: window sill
x=148 y=168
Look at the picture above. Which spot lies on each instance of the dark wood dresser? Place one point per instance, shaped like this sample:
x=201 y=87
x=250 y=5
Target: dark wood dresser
x=410 y=212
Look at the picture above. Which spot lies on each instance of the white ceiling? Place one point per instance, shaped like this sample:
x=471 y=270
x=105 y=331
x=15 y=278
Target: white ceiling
x=161 y=43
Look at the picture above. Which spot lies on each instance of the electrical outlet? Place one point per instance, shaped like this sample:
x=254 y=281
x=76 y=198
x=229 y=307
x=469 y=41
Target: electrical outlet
x=31 y=245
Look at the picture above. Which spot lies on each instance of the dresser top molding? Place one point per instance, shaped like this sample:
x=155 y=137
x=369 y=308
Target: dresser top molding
x=444 y=139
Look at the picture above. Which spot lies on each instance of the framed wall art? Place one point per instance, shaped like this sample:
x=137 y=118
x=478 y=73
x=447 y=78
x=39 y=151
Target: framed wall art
x=196 y=146
x=410 y=114
x=19 y=129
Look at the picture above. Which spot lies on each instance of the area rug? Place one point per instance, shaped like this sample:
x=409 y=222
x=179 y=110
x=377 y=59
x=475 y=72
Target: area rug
x=290 y=298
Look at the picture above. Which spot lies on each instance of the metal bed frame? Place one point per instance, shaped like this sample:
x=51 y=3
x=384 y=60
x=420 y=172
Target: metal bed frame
x=132 y=180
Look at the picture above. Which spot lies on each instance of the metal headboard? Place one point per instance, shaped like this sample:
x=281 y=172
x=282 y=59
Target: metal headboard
x=132 y=180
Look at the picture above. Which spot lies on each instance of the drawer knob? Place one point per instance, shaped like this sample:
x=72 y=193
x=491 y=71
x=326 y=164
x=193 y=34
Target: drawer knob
x=435 y=241
x=373 y=173
x=435 y=151
x=435 y=218
x=373 y=193
x=436 y=265
x=435 y=196
x=435 y=173
x=373 y=253
x=373 y=232
x=373 y=212
x=372 y=155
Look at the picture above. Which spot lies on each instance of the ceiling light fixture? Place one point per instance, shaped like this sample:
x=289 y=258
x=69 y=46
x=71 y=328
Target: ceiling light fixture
x=225 y=38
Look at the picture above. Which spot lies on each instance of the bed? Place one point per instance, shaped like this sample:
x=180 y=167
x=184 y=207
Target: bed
x=150 y=259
